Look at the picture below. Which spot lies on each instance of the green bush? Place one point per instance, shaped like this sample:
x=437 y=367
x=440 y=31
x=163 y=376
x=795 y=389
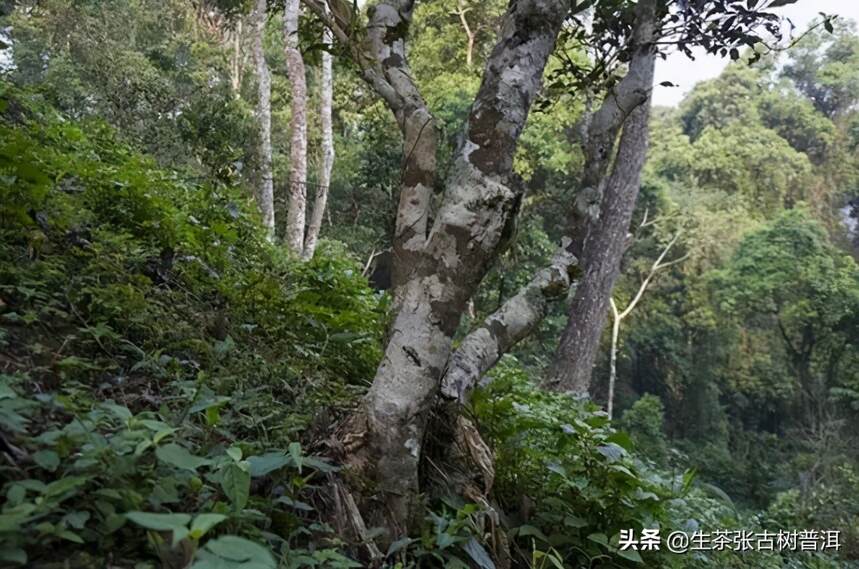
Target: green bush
x=570 y=483
x=214 y=350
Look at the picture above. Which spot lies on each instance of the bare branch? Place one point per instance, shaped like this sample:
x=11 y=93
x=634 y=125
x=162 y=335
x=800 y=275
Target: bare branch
x=514 y=320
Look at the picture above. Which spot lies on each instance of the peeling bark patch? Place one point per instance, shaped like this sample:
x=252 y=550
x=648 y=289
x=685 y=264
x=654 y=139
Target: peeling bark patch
x=393 y=60
x=397 y=32
x=484 y=132
x=413 y=447
x=414 y=175
x=448 y=316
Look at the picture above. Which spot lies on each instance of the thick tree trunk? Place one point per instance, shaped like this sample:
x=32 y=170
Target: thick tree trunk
x=265 y=189
x=603 y=249
x=600 y=216
x=601 y=127
x=295 y=217
x=325 y=104
x=437 y=269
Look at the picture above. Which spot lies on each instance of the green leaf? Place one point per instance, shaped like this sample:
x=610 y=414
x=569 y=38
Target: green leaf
x=15 y=495
x=297 y=504
x=630 y=554
x=13 y=555
x=13 y=520
x=47 y=459
x=63 y=485
x=527 y=530
x=208 y=403
x=240 y=550
x=621 y=439
x=575 y=522
x=295 y=453
x=179 y=457
x=236 y=483
x=159 y=522
x=611 y=451
x=399 y=545
x=213 y=415
x=599 y=538
x=76 y=519
x=120 y=411
x=204 y=522
x=269 y=462
x=70 y=536
x=162 y=434
x=478 y=554
x=177 y=523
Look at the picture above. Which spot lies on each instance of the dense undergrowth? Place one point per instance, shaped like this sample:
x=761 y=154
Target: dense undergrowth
x=164 y=369
x=158 y=356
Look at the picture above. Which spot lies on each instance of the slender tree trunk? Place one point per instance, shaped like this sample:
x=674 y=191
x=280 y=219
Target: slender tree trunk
x=325 y=104
x=618 y=317
x=469 y=34
x=612 y=374
x=265 y=190
x=236 y=62
x=295 y=217
x=603 y=249
x=602 y=211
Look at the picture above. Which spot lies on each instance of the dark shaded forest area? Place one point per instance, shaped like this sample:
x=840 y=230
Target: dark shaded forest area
x=314 y=283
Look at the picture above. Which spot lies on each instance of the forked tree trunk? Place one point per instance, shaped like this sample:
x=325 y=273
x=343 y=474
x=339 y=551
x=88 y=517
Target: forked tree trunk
x=295 y=216
x=438 y=268
x=265 y=188
x=327 y=163
x=514 y=320
x=617 y=317
x=469 y=34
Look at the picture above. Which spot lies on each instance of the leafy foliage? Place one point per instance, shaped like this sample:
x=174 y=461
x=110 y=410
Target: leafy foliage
x=148 y=337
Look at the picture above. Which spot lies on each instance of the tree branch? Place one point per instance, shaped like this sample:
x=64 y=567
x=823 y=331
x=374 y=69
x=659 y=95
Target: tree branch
x=514 y=320
x=380 y=53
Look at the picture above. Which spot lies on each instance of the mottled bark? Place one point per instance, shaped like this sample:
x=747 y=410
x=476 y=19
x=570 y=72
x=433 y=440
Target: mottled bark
x=513 y=321
x=295 y=217
x=436 y=270
x=265 y=188
x=603 y=249
x=381 y=56
x=600 y=216
x=327 y=162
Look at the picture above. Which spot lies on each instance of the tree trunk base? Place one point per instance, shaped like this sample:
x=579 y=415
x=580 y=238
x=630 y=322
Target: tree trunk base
x=456 y=462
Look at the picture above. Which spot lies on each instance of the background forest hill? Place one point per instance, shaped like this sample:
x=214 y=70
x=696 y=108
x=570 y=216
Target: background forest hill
x=167 y=374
